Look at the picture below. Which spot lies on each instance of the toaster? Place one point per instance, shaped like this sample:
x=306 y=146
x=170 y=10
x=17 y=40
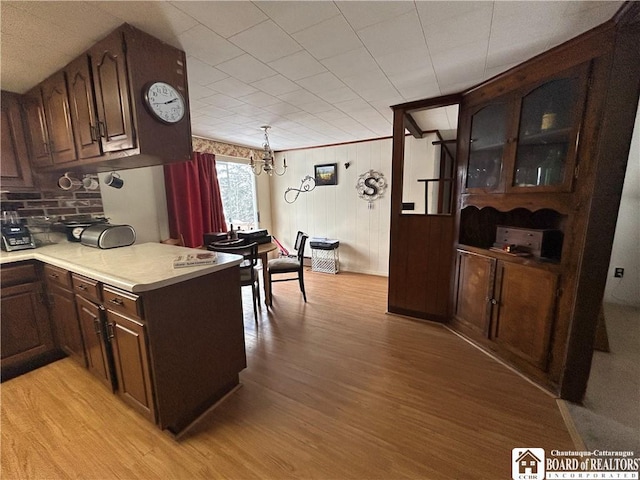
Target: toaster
x=108 y=236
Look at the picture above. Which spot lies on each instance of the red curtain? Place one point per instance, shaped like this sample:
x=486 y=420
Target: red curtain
x=193 y=199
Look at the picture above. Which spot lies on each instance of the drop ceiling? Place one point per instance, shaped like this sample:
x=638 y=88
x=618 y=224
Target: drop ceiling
x=318 y=72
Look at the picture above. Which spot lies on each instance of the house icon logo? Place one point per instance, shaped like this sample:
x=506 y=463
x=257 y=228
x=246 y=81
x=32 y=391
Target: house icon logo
x=527 y=463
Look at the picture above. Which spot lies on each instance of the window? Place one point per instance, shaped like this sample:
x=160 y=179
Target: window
x=238 y=192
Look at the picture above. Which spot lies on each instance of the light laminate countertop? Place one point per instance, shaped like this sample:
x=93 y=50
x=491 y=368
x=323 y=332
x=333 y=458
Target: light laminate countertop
x=137 y=268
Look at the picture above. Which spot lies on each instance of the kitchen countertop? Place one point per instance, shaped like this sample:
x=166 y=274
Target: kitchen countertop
x=137 y=268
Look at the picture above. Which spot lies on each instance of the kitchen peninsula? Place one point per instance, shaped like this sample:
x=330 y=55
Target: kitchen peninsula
x=169 y=342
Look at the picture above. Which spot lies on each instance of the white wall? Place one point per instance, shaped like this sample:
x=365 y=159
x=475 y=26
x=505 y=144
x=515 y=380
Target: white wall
x=141 y=203
x=337 y=211
x=626 y=243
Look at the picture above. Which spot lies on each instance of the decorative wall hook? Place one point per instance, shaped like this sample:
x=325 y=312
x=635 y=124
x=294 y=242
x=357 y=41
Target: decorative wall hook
x=307 y=184
x=347 y=165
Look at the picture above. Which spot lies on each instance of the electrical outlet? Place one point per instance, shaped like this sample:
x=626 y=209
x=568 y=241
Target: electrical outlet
x=618 y=272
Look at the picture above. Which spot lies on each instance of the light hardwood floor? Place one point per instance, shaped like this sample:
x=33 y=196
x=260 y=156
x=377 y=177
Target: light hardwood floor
x=335 y=389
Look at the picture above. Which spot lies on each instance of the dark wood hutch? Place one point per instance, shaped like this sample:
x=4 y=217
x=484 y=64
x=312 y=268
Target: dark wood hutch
x=541 y=148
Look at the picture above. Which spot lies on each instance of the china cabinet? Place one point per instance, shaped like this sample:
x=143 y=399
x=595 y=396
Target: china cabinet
x=541 y=158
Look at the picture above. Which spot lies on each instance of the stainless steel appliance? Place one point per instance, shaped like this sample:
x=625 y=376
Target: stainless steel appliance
x=15 y=235
x=108 y=236
x=74 y=228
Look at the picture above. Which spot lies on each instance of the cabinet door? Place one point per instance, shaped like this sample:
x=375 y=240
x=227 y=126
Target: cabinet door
x=474 y=291
x=38 y=136
x=548 y=131
x=15 y=168
x=56 y=109
x=487 y=144
x=522 y=322
x=25 y=328
x=129 y=344
x=83 y=111
x=92 y=325
x=111 y=86
x=65 y=319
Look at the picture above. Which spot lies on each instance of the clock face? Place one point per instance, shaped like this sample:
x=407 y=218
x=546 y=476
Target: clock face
x=164 y=102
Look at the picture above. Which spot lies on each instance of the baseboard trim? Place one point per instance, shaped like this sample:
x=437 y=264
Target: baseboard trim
x=570 y=424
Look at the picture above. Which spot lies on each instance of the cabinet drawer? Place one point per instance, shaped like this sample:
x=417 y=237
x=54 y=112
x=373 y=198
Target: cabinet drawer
x=122 y=301
x=17 y=274
x=57 y=276
x=86 y=287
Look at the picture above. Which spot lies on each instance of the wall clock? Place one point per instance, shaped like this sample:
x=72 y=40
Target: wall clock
x=371 y=186
x=164 y=102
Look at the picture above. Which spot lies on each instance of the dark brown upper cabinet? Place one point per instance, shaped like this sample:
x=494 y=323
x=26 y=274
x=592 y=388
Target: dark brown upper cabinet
x=91 y=115
x=527 y=140
x=112 y=92
x=83 y=109
x=37 y=133
x=58 y=118
x=15 y=168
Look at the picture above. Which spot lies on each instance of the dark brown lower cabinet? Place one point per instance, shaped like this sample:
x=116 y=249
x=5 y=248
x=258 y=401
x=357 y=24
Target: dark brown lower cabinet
x=25 y=331
x=64 y=316
x=93 y=326
x=474 y=290
x=525 y=310
x=506 y=306
x=131 y=361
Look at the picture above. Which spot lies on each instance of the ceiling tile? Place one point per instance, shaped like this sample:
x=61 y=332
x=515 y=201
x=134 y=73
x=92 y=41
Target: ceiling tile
x=354 y=62
x=298 y=65
x=266 y=41
x=202 y=73
x=329 y=38
x=246 y=68
x=208 y=46
x=341 y=94
x=407 y=60
x=394 y=35
x=323 y=82
x=82 y=18
x=299 y=97
x=260 y=99
x=364 y=14
x=316 y=107
x=276 y=85
x=281 y=108
x=221 y=100
x=232 y=87
x=296 y=16
x=226 y=18
x=160 y=19
x=460 y=30
x=437 y=12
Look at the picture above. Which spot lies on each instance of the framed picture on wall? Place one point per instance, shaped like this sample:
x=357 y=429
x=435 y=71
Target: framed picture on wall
x=326 y=174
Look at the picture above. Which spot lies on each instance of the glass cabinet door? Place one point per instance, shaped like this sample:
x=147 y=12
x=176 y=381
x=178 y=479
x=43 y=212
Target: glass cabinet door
x=547 y=133
x=487 y=143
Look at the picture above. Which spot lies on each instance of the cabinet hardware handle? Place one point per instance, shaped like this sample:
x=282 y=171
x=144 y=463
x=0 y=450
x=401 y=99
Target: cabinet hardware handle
x=96 y=326
x=110 y=332
x=93 y=130
x=81 y=287
x=46 y=147
x=116 y=301
x=101 y=129
x=493 y=301
x=53 y=275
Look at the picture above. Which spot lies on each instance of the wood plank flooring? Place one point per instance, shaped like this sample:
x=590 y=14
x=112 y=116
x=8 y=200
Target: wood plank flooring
x=334 y=389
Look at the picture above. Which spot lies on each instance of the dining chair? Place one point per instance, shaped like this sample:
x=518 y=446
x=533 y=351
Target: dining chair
x=248 y=270
x=288 y=265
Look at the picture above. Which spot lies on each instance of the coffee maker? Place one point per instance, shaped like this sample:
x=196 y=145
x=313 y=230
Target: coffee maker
x=15 y=235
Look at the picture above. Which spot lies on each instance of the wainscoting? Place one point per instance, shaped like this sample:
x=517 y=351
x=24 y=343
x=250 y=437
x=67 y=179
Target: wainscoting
x=336 y=211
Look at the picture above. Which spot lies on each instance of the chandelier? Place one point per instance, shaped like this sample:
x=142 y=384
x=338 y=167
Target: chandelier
x=268 y=161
